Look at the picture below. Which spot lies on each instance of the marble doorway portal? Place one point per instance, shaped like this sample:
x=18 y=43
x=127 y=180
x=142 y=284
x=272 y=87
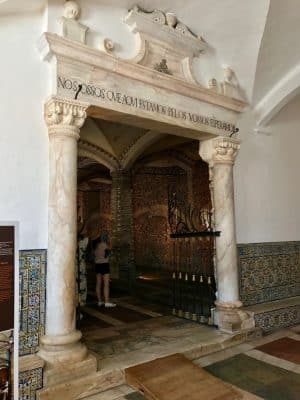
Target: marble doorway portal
x=64 y=119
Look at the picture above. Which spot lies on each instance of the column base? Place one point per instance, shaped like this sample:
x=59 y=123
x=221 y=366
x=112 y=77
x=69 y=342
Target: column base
x=69 y=372
x=230 y=318
x=62 y=349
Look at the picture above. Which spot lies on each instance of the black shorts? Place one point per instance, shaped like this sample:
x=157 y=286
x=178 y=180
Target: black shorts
x=102 y=268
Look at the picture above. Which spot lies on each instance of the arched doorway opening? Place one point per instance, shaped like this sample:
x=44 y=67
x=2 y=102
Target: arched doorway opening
x=133 y=206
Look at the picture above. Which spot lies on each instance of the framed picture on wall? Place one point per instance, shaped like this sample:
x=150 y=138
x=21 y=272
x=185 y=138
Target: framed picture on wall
x=8 y=309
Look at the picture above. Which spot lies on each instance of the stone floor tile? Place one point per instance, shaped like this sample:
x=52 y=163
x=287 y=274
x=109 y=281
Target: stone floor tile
x=277 y=362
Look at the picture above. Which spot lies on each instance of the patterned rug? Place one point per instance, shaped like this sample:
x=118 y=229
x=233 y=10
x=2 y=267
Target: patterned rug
x=260 y=378
x=285 y=348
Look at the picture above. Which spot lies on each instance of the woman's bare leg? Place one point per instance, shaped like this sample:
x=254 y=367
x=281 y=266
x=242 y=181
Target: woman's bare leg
x=106 y=278
x=98 y=287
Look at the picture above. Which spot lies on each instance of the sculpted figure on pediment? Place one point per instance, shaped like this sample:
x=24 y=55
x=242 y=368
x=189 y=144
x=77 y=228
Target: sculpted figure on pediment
x=230 y=86
x=71 y=28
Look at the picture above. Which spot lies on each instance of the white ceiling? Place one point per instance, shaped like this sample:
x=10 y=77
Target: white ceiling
x=279 y=51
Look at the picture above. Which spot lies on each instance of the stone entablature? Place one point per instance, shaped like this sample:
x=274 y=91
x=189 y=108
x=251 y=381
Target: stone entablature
x=134 y=94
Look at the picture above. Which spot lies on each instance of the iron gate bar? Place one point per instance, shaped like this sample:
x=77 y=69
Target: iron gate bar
x=194 y=234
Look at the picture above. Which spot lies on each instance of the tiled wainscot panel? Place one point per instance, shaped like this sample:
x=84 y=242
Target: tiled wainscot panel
x=276 y=319
x=32 y=299
x=29 y=382
x=32 y=317
x=269 y=271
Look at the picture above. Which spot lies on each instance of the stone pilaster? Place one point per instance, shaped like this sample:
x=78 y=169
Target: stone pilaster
x=122 y=227
x=61 y=342
x=220 y=153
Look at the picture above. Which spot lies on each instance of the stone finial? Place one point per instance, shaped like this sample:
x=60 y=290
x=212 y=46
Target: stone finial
x=108 y=45
x=71 y=10
x=71 y=28
x=219 y=150
x=228 y=74
x=230 y=86
x=171 y=20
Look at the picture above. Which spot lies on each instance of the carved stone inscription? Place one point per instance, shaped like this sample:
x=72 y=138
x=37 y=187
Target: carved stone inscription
x=6 y=277
x=125 y=99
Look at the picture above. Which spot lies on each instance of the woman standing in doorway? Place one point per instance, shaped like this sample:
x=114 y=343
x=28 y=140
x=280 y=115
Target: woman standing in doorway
x=102 y=270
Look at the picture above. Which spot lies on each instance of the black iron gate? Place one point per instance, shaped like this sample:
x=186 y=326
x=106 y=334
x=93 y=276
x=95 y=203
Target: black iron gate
x=193 y=278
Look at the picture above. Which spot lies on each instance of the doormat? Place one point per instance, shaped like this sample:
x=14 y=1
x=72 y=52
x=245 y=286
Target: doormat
x=258 y=377
x=121 y=314
x=285 y=348
x=177 y=378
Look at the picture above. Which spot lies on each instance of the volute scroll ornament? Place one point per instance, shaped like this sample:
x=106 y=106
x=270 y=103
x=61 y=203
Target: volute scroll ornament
x=65 y=112
x=225 y=150
x=219 y=150
x=158 y=17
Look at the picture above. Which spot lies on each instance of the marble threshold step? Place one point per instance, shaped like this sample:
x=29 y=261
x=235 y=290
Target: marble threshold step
x=117 y=393
x=105 y=379
x=125 y=392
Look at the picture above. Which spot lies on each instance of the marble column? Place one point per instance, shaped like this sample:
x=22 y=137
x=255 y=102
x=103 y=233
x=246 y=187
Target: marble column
x=61 y=342
x=220 y=153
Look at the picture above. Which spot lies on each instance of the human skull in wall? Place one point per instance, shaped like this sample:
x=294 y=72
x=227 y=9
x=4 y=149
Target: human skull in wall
x=72 y=10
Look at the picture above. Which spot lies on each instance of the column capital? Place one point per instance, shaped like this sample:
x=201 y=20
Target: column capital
x=65 y=116
x=221 y=150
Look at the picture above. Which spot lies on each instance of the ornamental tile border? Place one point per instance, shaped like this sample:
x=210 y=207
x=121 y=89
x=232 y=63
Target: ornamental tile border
x=282 y=318
x=269 y=271
x=32 y=299
x=29 y=382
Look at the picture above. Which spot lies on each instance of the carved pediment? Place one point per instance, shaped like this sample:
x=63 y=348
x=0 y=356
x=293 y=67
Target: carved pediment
x=165 y=43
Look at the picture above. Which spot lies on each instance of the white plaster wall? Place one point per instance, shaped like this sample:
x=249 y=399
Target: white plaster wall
x=267 y=191
x=23 y=136
x=266 y=196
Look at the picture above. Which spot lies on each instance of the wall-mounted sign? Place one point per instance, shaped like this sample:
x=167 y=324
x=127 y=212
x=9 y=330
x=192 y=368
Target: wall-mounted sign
x=7 y=262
